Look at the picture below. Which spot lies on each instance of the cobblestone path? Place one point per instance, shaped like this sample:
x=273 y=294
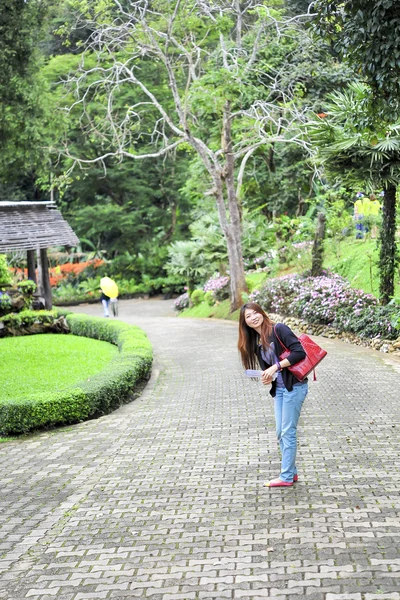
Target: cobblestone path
x=163 y=499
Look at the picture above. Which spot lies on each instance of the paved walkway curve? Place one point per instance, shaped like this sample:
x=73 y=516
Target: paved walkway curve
x=163 y=499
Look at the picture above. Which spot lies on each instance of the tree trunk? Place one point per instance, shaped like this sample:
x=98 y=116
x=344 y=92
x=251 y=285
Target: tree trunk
x=388 y=250
x=318 y=246
x=44 y=279
x=31 y=262
x=234 y=231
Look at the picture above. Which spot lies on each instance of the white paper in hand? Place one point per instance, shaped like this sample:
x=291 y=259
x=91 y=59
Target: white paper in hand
x=255 y=373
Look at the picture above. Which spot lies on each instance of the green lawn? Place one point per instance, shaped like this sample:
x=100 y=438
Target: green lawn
x=49 y=362
x=357 y=260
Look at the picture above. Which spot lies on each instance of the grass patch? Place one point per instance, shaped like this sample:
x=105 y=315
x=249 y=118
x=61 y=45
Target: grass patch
x=357 y=261
x=218 y=311
x=255 y=280
x=49 y=363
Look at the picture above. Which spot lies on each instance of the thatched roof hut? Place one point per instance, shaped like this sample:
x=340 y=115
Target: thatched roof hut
x=34 y=227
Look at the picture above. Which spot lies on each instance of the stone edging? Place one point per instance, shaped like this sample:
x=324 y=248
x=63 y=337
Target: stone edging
x=387 y=346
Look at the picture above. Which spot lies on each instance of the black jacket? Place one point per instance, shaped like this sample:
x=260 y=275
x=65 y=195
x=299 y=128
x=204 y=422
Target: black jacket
x=296 y=355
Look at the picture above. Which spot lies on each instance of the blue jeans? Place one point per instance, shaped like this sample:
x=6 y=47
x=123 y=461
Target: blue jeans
x=360 y=228
x=106 y=304
x=287 y=412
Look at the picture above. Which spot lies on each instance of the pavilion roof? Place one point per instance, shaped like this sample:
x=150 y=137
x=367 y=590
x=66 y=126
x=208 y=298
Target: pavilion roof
x=32 y=225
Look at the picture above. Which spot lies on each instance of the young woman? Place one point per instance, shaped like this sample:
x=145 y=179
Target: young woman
x=260 y=341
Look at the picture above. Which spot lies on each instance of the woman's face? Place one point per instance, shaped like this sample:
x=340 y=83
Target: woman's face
x=253 y=318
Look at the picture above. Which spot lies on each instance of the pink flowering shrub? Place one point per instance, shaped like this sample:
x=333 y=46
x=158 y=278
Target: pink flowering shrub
x=219 y=286
x=276 y=294
x=321 y=299
x=330 y=300
x=182 y=302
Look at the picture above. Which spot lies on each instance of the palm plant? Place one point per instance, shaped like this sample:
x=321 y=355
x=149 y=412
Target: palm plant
x=358 y=148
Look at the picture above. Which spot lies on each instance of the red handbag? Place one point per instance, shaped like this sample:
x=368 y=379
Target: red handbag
x=314 y=355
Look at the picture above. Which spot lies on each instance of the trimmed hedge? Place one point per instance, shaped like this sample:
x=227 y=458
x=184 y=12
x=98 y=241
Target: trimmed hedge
x=99 y=394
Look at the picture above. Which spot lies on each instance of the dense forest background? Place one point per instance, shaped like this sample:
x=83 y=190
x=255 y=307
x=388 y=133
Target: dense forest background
x=157 y=218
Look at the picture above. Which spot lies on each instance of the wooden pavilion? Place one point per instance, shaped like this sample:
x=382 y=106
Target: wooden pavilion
x=34 y=227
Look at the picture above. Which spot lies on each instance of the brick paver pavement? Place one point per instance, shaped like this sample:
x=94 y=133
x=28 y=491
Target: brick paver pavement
x=163 y=499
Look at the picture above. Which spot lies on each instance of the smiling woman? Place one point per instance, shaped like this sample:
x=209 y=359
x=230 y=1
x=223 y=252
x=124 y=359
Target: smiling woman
x=260 y=344
x=49 y=363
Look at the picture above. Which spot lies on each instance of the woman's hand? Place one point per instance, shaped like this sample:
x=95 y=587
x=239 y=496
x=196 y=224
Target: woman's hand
x=267 y=375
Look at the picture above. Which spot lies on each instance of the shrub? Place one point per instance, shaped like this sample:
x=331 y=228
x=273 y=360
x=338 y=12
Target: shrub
x=5 y=275
x=330 y=301
x=277 y=294
x=182 y=302
x=19 y=323
x=378 y=321
x=320 y=299
x=104 y=391
x=5 y=303
x=219 y=286
x=27 y=286
x=197 y=297
x=209 y=298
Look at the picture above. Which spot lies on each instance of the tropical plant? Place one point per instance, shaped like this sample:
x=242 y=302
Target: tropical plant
x=186 y=261
x=352 y=151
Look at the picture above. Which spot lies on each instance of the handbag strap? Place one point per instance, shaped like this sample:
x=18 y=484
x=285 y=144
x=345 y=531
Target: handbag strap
x=279 y=339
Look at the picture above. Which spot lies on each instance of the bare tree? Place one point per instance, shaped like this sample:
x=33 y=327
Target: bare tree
x=184 y=38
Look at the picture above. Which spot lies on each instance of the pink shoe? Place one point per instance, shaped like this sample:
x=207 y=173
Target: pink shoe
x=278 y=483
x=295 y=478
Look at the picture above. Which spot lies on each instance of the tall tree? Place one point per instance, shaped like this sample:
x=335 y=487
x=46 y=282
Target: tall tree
x=23 y=104
x=367 y=35
x=222 y=109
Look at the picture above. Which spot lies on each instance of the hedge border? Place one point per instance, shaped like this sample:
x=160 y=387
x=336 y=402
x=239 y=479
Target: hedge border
x=99 y=394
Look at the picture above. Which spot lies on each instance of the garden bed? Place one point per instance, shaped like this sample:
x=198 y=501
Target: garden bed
x=98 y=394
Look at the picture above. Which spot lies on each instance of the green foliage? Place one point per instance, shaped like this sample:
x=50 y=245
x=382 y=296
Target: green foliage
x=27 y=286
x=255 y=280
x=348 y=148
x=339 y=218
x=221 y=310
x=185 y=261
x=25 y=108
x=381 y=321
x=95 y=396
x=27 y=322
x=197 y=297
x=5 y=303
x=367 y=34
x=352 y=150
x=209 y=298
x=5 y=275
